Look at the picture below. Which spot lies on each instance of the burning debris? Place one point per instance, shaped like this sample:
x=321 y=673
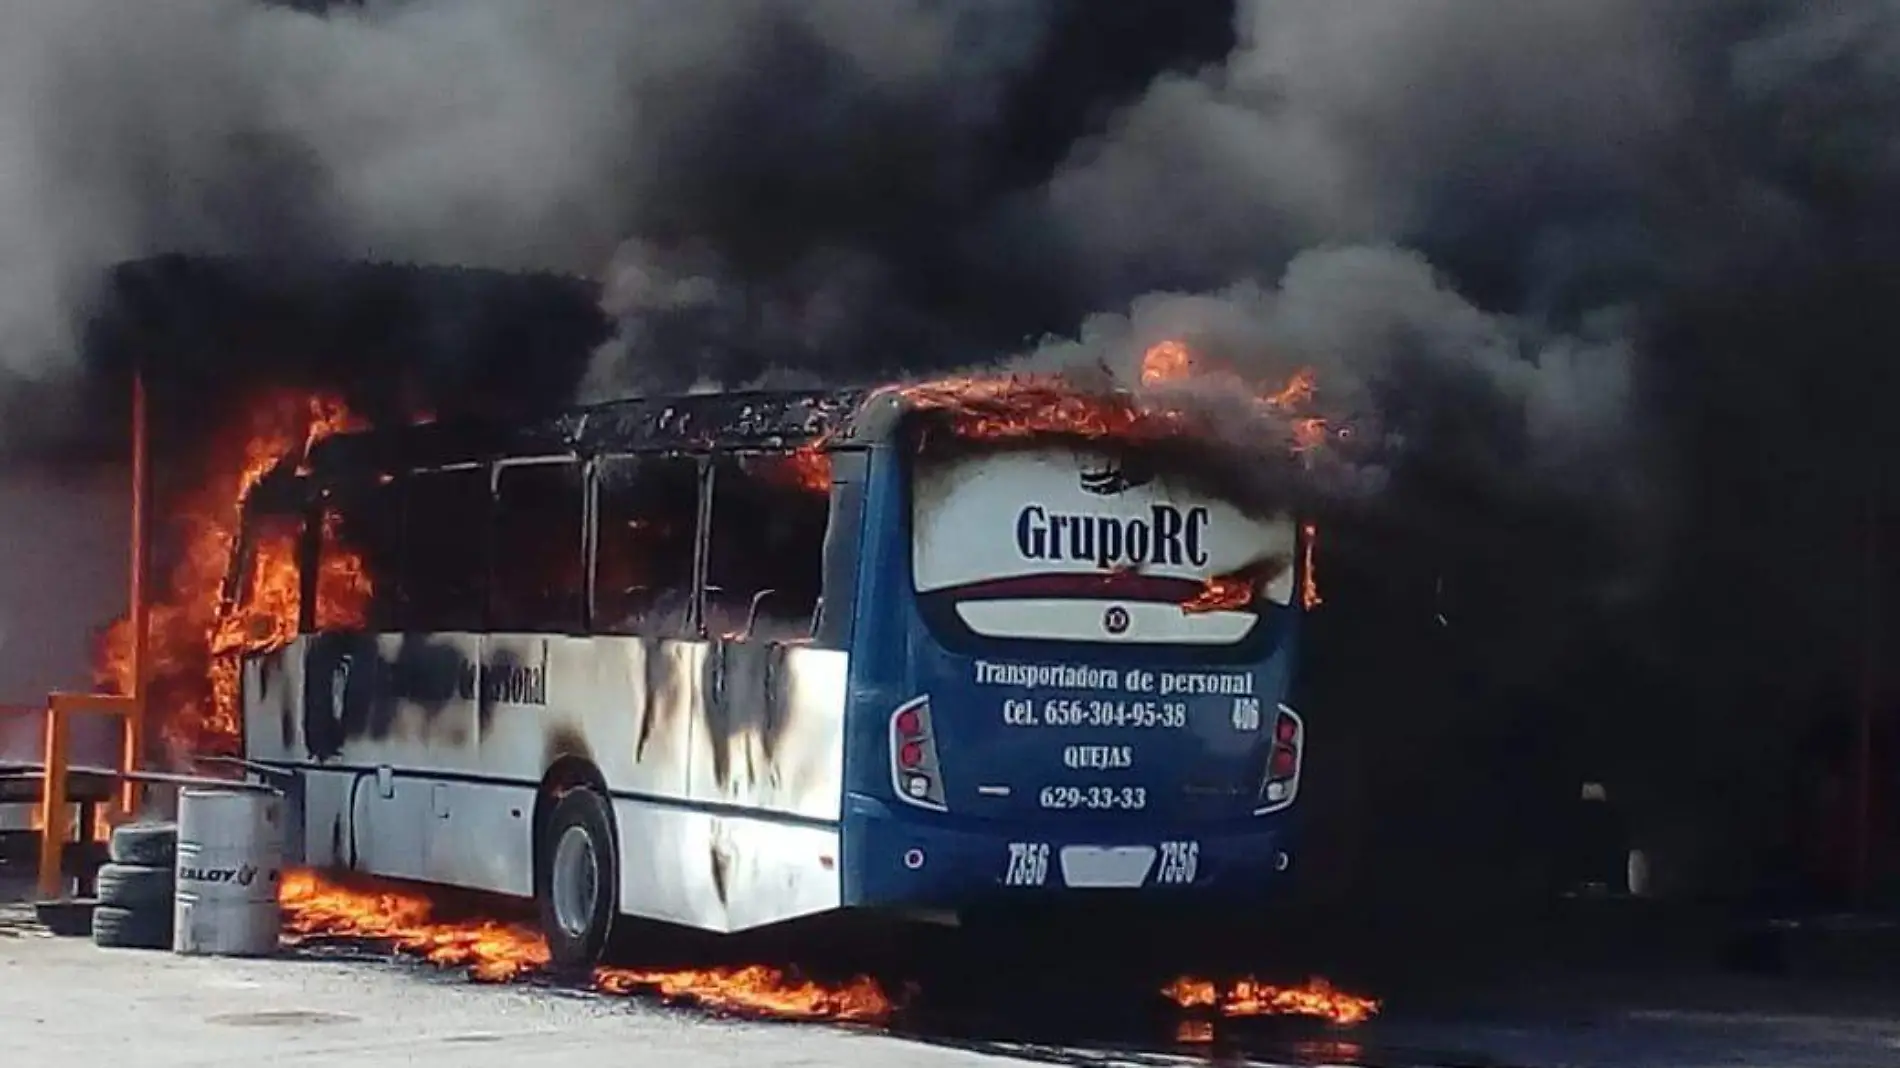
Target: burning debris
x=499 y=952
x=1250 y=997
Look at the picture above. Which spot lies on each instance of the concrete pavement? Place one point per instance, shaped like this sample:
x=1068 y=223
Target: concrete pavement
x=62 y=1001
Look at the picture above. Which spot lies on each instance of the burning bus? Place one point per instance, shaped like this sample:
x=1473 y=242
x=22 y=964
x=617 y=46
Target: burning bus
x=729 y=660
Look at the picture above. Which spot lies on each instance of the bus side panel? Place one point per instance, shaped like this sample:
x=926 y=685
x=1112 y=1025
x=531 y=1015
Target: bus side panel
x=723 y=758
x=424 y=754
x=758 y=840
x=769 y=729
x=384 y=730
x=722 y=871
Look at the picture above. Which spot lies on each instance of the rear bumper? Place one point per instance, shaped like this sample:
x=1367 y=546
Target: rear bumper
x=901 y=859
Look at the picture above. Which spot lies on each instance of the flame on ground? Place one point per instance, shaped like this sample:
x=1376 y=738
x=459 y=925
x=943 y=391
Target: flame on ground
x=192 y=667
x=1250 y=997
x=496 y=952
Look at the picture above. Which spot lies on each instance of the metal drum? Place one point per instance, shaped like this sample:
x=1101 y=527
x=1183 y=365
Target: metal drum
x=230 y=863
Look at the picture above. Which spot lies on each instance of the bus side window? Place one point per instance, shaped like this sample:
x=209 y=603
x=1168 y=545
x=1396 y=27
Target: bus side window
x=765 y=551
x=359 y=539
x=647 y=523
x=535 y=582
x=445 y=549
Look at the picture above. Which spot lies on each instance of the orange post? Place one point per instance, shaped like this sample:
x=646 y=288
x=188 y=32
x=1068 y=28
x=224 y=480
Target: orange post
x=136 y=613
x=53 y=827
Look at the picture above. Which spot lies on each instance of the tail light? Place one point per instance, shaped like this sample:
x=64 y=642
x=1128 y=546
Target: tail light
x=915 y=775
x=1281 y=783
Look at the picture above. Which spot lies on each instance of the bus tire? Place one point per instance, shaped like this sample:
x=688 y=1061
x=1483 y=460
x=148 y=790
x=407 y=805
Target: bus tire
x=578 y=892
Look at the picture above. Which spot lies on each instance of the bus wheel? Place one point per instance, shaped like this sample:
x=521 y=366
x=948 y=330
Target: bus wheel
x=579 y=888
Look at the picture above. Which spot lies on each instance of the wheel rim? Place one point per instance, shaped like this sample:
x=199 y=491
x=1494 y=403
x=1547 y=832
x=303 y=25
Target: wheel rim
x=575 y=885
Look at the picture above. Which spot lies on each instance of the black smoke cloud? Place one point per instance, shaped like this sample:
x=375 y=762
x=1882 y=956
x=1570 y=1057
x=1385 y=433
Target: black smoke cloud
x=1503 y=236
x=1605 y=282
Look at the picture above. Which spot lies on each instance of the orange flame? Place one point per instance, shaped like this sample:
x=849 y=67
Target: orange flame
x=1166 y=362
x=1025 y=407
x=1194 y=1032
x=809 y=467
x=496 y=952
x=1017 y=407
x=1222 y=593
x=1309 y=581
x=193 y=669
x=1250 y=997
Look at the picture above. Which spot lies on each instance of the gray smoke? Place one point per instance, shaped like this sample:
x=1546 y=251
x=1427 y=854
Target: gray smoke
x=1369 y=322
x=1581 y=174
x=1469 y=218
x=478 y=132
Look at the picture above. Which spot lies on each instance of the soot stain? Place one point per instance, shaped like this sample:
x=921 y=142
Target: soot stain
x=564 y=741
x=654 y=676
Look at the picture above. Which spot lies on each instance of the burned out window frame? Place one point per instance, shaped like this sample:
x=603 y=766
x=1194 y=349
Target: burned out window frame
x=709 y=500
x=384 y=616
x=579 y=625
x=406 y=480
x=696 y=597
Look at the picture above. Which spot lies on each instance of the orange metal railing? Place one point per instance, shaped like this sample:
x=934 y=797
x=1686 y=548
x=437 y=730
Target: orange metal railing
x=54 y=809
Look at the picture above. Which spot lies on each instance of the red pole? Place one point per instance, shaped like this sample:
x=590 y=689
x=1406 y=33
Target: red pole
x=141 y=486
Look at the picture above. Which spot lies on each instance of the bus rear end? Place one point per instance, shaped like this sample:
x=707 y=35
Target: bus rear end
x=1070 y=671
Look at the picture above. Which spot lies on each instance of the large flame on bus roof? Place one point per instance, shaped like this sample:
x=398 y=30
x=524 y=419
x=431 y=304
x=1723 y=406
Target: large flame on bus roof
x=1024 y=406
x=195 y=640
x=1029 y=406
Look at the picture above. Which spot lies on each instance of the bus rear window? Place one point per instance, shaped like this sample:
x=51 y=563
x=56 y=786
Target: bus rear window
x=1070 y=545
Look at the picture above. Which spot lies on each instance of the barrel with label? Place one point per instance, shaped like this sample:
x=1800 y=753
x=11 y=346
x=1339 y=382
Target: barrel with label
x=230 y=862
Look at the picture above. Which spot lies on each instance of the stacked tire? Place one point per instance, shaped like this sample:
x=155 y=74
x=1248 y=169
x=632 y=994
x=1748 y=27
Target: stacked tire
x=136 y=890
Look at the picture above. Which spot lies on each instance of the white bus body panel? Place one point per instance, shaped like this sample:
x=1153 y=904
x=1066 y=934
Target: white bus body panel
x=423 y=755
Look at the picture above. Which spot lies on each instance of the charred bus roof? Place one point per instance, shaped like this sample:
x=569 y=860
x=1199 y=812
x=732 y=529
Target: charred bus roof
x=759 y=420
x=1001 y=413
x=705 y=422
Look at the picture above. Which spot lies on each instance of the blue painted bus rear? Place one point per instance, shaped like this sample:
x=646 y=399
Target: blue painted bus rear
x=1035 y=711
